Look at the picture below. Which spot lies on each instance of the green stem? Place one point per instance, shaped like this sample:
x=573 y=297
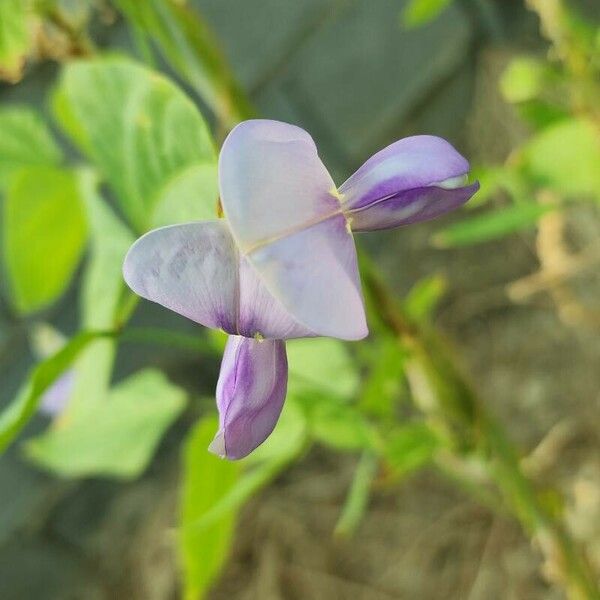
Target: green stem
x=358 y=496
x=166 y=337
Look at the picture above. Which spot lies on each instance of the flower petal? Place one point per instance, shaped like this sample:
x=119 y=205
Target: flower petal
x=56 y=397
x=404 y=182
x=195 y=270
x=261 y=313
x=284 y=213
x=190 y=269
x=250 y=394
x=411 y=206
x=314 y=274
x=272 y=182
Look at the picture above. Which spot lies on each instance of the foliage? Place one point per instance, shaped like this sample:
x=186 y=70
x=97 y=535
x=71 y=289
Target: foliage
x=420 y=12
x=141 y=132
x=115 y=437
x=43 y=216
x=207 y=480
x=14 y=37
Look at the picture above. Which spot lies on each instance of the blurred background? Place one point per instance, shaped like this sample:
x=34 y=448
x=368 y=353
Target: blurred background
x=508 y=287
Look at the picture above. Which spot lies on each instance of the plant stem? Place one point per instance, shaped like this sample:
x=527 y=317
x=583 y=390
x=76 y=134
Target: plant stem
x=166 y=337
x=441 y=391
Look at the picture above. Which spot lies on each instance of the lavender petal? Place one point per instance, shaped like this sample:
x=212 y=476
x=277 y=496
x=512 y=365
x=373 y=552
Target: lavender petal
x=409 y=178
x=250 y=395
x=314 y=274
x=272 y=182
x=410 y=206
x=56 y=397
x=195 y=270
x=285 y=215
x=190 y=269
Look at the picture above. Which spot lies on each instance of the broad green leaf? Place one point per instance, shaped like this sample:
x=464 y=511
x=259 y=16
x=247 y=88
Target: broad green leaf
x=423 y=298
x=44 y=234
x=100 y=294
x=491 y=225
x=322 y=364
x=206 y=481
x=565 y=157
x=140 y=130
x=187 y=44
x=14 y=37
x=421 y=12
x=115 y=438
x=192 y=196
x=25 y=141
x=410 y=447
x=110 y=239
x=21 y=409
x=524 y=79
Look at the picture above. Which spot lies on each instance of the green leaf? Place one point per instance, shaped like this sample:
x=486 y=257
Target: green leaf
x=248 y=484
x=322 y=364
x=490 y=225
x=21 y=409
x=335 y=423
x=116 y=437
x=44 y=235
x=25 y=141
x=524 y=79
x=565 y=157
x=420 y=12
x=423 y=298
x=100 y=294
x=410 y=447
x=14 y=37
x=187 y=44
x=139 y=129
x=103 y=283
x=206 y=481
x=192 y=196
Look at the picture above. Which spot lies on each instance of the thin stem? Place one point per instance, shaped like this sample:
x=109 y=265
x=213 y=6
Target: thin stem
x=166 y=337
x=358 y=496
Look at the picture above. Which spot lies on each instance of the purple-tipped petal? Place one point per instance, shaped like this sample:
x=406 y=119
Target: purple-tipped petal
x=414 y=179
x=411 y=206
x=285 y=215
x=195 y=270
x=250 y=394
x=190 y=269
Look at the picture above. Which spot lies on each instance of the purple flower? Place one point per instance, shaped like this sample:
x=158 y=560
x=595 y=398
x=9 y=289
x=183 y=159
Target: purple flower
x=250 y=394
x=283 y=263
x=56 y=397
x=46 y=341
